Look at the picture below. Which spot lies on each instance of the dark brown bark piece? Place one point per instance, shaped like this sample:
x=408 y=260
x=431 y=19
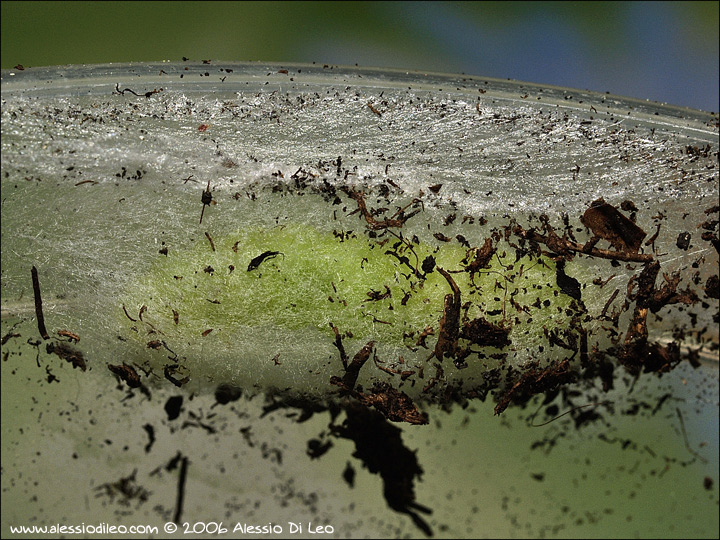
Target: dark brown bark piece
x=447 y=343
x=605 y=221
x=67 y=353
x=394 y=405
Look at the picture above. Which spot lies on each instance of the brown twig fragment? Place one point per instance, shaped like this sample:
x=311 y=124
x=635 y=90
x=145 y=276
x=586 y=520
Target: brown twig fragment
x=563 y=246
x=38 y=304
x=339 y=344
x=359 y=198
x=447 y=343
x=212 y=244
x=358 y=361
x=373 y=109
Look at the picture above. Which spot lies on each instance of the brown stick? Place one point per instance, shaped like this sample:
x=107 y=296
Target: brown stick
x=556 y=243
x=38 y=304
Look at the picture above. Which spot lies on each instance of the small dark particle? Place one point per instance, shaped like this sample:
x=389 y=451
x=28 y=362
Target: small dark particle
x=154 y=344
x=628 y=206
x=170 y=370
x=316 y=448
x=373 y=109
x=67 y=353
x=349 y=475
x=173 y=406
x=20 y=67
x=482 y=257
x=203 y=127
x=538 y=476
x=51 y=376
x=683 y=241
x=176 y=316
x=699 y=151
x=428 y=265
x=150 y=430
x=398 y=219
x=7 y=337
x=436 y=188
x=485 y=334
x=206 y=198
x=127 y=374
x=376 y=295
x=708 y=483
x=127 y=488
x=255 y=262
x=462 y=240
x=225 y=393
x=712 y=287
x=207 y=332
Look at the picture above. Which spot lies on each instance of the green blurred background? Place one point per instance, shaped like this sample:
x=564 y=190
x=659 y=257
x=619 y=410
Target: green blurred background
x=664 y=51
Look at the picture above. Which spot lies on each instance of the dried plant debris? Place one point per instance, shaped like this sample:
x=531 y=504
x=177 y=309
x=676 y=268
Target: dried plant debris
x=173 y=406
x=525 y=299
x=67 y=353
x=126 y=491
x=608 y=223
x=390 y=402
x=130 y=376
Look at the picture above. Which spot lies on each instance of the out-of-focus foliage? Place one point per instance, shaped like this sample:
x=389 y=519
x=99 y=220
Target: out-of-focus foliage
x=665 y=51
